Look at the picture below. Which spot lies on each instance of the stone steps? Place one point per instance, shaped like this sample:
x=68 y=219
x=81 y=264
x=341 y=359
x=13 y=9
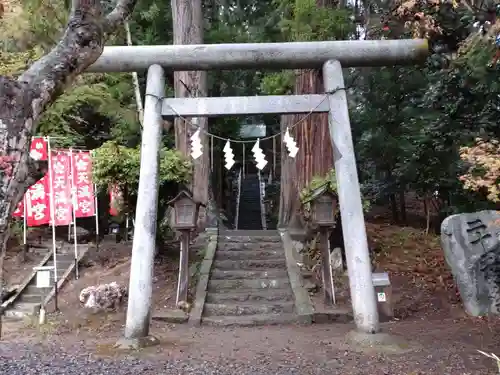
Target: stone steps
x=250 y=264
x=232 y=274
x=240 y=246
x=217 y=285
x=22 y=309
x=250 y=209
x=248 y=236
x=249 y=254
x=28 y=302
x=249 y=308
x=250 y=320
x=249 y=282
x=250 y=295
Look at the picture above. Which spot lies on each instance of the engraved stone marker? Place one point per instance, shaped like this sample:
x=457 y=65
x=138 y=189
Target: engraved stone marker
x=471 y=247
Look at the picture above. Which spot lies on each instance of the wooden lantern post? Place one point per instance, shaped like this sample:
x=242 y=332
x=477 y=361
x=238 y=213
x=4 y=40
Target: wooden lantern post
x=185 y=218
x=323 y=211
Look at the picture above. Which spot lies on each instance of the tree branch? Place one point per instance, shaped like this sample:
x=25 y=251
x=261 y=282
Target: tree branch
x=117 y=16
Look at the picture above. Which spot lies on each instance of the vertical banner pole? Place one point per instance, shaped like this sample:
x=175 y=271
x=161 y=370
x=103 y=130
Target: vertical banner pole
x=126 y=227
x=274 y=158
x=243 y=160
x=211 y=153
x=96 y=209
x=96 y=218
x=326 y=271
x=183 y=282
x=25 y=224
x=52 y=219
x=74 y=202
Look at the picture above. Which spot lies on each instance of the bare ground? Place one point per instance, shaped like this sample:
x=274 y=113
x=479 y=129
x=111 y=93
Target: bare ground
x=15 y=269
x=428 y=312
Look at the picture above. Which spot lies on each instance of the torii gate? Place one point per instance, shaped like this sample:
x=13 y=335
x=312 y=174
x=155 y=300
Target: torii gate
x=331 y=56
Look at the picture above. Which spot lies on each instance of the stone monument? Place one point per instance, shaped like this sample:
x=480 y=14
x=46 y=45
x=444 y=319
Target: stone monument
x=471 y=248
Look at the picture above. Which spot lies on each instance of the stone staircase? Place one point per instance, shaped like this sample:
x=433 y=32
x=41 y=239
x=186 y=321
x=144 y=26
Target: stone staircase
x=249 y=216
x=29 y=299
x=249 y=282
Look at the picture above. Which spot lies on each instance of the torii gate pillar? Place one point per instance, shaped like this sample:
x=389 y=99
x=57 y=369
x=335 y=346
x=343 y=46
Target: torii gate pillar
x=363 y=300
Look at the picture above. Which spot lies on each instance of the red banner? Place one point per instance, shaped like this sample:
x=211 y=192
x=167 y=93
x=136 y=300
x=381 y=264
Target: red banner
x=83 y=188
x=39 y=149
x=19 y=212
x=38 y=203
x=115 y=200
x=61 y=187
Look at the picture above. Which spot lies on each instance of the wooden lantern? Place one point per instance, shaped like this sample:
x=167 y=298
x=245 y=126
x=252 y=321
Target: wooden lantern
x=323 y=206
x=185 y=211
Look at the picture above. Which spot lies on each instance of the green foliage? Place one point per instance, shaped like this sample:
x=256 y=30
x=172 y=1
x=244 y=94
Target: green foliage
x=306 y=21
x=119 y=165
x=411 y=121
x=14 y=63
x=33 y=24
x=95 y=110
x=316 y=182
x=281 y=83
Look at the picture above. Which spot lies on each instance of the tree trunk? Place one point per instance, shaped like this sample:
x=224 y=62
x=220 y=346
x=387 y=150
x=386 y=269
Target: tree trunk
x=402 y=205
x=187 y=16
x=289 y=197
x=394 y=207
x=315 y=156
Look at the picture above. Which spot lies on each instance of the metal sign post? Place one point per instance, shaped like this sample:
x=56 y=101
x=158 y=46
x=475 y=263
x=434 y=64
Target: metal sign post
x=43 y=280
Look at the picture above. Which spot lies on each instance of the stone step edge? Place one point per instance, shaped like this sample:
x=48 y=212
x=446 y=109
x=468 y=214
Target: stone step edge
x=242 y=271
x=252 y=304
x=242 y=291
x=281 y=280
x=250 y=320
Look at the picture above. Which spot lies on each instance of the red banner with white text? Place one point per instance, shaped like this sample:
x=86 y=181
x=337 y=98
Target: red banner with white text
x=38 y=203
x=61 y=187
x=83 y=188
x=37 y=197
x=39 y=149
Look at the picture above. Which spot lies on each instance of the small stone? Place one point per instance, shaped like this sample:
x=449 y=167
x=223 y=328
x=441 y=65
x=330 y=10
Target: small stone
x=310 y=286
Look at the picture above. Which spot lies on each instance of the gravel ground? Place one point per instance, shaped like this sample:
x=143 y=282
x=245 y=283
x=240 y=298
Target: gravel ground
x=445 y=349
x=447 y=341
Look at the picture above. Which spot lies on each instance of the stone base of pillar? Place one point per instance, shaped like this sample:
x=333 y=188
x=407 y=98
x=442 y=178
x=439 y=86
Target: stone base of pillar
x=379 y=343
x=136 y=343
